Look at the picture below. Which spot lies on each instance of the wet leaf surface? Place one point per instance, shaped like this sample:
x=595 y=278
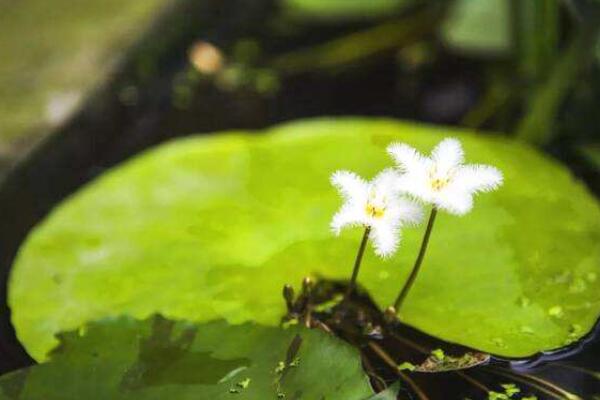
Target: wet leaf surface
x=213 y=227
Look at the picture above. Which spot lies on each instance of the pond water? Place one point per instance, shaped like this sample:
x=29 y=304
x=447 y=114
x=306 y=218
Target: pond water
x=431 y=368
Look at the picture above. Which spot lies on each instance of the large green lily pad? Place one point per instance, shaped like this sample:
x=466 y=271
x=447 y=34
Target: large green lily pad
x=213 y=227
x=123 y=358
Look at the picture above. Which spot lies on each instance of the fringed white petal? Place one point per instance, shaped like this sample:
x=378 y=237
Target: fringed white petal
x=348 y=215
x=410 y=212
x=407 y=158
x=385 y=239
x=454 y=202
x=416 y=186
x=448 y=154
x=385 y=184
x=377 y=204
x=442 y=180
x=349 y=184
x=478 y=178
x=403 y=211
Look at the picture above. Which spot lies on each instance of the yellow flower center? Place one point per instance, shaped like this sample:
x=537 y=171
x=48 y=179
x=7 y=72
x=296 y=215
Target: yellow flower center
x=438 y=184
x=438 y=181
x=374 y=211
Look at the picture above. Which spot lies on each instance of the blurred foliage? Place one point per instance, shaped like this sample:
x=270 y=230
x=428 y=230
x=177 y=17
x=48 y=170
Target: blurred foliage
x=213 y=227
x=53 y=52
x=530 y=59
x=536 y=29
x=122 y=358
x=478 y=27
x=359 y=46
x=537 y=124
x=597 y=50
x=592 y=154
x=549 y=56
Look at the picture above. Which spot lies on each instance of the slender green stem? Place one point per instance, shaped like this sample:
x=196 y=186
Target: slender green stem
x=359 y=256
x=418 y=262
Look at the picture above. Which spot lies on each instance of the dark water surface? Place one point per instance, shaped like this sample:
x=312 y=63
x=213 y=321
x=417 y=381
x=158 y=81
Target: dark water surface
x=569 y=373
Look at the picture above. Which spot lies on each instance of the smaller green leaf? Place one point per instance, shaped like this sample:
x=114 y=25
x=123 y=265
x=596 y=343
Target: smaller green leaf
x=510 y=389
x=157 y=358
x=244 y=384
x=406 y=366
x=438 y=354
x=497 y=396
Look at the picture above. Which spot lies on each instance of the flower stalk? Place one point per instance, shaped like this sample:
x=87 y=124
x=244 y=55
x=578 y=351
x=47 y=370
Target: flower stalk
x=417 y=266
x=388 y=202
x=357 y=262
x=376 y=206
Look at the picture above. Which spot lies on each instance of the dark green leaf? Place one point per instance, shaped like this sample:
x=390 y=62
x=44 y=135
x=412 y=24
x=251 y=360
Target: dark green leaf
x=162 y=359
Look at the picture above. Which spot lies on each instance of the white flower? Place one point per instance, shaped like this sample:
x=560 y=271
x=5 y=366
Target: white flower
x=442 y=179
x=376 y=204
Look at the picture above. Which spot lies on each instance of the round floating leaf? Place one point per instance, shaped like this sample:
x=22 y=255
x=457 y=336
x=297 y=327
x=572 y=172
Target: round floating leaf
x=213 y=227
x=162 y=359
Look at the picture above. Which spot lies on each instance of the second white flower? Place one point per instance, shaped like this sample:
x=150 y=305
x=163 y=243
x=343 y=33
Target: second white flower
x=376 y=204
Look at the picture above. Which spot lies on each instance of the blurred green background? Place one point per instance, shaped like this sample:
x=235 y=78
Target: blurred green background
x=528 y=69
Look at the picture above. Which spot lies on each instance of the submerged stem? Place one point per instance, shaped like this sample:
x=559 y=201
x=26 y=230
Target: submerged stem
x=418 y=262
x=359 y=256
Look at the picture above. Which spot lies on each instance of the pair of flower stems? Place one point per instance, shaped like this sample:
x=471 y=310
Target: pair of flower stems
x=415 y=269
x=386 y=204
